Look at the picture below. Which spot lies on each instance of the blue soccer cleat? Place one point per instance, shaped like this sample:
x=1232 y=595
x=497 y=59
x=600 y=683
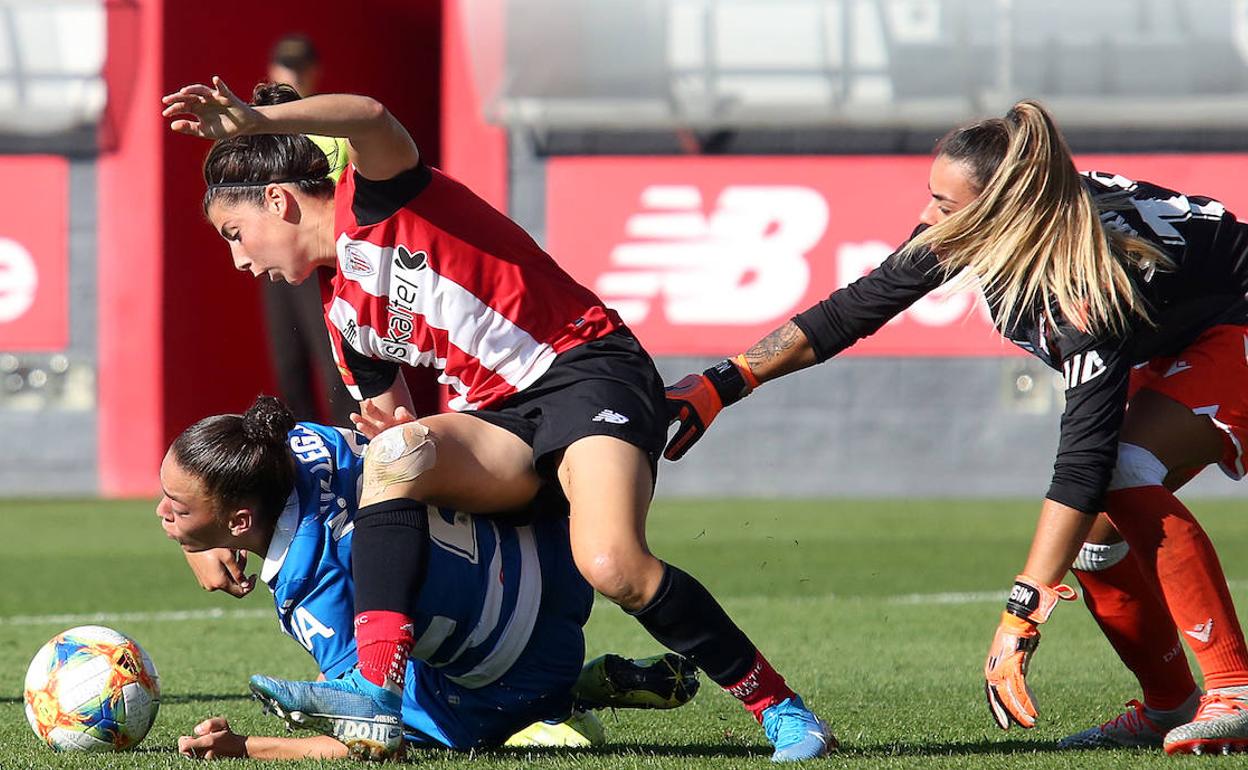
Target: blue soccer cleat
x=796 y=732
x=365 y=717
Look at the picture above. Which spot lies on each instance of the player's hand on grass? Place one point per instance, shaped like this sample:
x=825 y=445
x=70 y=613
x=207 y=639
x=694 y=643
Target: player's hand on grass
x=372 y=420
x=210 y=112
x=1005 y=672
x=222 y=569
x=212 y=739
x=694 y=402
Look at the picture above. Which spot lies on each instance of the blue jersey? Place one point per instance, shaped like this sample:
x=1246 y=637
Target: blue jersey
x=479 y=603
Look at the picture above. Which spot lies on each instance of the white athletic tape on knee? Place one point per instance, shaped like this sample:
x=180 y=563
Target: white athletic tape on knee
x=1094 y=557
x=398 y=454
x=1137 y=467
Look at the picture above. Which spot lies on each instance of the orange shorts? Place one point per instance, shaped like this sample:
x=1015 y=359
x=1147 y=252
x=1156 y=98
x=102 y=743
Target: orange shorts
x=1210 y=377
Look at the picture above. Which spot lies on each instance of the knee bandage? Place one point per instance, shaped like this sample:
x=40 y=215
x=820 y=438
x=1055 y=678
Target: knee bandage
x=1094 y=557
x=397 y=456
x=1137 y=467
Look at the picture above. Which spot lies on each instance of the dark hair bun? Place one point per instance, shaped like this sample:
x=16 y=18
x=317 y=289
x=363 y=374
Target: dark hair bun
x=267 y=421
x=273 y=93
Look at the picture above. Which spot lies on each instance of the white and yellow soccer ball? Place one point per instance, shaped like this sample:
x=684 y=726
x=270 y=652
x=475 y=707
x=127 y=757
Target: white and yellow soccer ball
x=91 y=689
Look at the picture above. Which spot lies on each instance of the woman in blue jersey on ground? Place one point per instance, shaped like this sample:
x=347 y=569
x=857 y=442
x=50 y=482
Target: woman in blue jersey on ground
x=498 y=621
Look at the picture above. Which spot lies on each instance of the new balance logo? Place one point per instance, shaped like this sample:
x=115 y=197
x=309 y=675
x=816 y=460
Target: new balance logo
x=1082 y=367
x=742 y=263
x=1176 y=367
x=606 y=415
x=1200 y=632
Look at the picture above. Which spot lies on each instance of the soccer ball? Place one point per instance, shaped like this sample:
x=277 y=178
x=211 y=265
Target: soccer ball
x=91 y=689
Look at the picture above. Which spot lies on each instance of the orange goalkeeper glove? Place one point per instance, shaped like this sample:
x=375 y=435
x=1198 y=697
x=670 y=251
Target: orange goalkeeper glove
x=697 y=398
x=1005 y=672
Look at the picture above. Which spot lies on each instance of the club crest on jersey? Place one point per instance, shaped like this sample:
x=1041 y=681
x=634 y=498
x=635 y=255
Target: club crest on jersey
x=355 y=262
x=410 y=260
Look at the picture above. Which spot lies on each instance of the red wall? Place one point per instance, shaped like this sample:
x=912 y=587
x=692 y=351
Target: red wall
x=474 y=152
x=181 y=333
x=214 y=346
x=129 y=236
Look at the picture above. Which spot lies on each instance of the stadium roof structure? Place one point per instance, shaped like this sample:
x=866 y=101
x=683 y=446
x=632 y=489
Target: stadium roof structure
x=894 y=64
x=53 y=94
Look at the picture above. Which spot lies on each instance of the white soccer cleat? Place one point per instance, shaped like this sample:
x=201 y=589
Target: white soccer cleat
x=1134 y=728
x=1220 y=725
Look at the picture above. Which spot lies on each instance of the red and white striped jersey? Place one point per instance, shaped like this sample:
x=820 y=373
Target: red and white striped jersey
x=429 y=274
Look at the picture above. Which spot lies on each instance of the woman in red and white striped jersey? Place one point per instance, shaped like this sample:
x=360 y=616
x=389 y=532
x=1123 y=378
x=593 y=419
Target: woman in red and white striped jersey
x=550 y=387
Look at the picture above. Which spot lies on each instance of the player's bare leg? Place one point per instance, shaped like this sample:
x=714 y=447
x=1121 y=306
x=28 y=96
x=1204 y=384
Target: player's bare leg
x=479 y=468
x=608 y=483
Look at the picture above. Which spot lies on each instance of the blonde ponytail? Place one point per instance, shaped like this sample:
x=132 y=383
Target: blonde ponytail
x=1033 y=237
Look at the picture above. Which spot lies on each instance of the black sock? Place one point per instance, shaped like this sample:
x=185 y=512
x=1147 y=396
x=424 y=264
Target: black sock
x=389 y=555
x=685 y=618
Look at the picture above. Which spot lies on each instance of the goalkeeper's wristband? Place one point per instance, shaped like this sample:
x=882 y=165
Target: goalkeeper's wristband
x=1033 y=601
x=732 y=379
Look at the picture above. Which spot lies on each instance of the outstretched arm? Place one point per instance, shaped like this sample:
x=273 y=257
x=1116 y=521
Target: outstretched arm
x=213 y=739
x=782 y=352
x=698 y=398
x=380 y=147
x=815 y=335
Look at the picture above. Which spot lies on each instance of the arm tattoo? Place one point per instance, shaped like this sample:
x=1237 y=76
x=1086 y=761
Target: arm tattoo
x=784 y=350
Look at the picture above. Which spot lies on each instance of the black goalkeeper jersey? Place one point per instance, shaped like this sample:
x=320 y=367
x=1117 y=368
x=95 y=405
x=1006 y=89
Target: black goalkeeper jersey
x=1206 y=242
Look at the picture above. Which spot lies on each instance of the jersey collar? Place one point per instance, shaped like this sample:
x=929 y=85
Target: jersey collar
x=287 y=523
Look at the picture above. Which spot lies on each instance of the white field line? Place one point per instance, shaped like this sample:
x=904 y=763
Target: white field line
x=961 y=597
x=173 y=616
x=178 y=616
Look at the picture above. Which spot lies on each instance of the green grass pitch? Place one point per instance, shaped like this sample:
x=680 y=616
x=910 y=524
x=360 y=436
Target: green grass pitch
x=878 y=612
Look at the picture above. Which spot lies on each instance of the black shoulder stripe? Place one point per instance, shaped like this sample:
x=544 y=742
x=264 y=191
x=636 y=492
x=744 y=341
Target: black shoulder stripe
x=375 y=201
x=372 y=375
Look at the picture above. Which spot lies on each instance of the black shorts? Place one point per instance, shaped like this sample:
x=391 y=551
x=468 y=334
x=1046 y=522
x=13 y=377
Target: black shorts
x=607 y=387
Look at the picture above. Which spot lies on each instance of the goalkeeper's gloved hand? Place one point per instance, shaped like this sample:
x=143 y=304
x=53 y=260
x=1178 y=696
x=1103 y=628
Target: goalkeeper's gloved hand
x=697 y=398
x=1005 y=672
